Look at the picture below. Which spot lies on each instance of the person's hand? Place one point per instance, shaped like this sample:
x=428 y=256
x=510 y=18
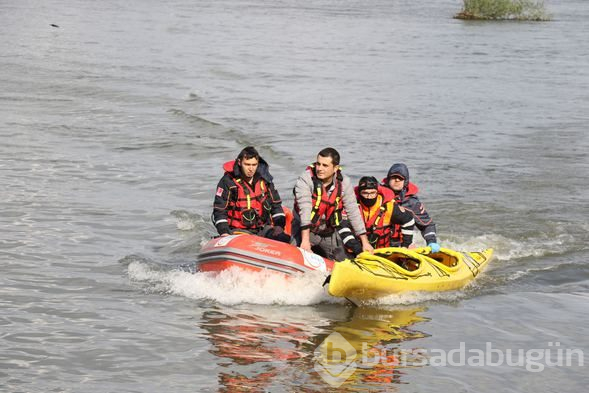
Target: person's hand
x=435 y=247
x=224 y=234
x=306 y=245
x=224 y=229
x=411 y=246
x=368 y=248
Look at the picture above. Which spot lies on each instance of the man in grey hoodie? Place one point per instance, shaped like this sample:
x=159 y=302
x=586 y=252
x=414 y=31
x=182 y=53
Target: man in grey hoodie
x=326 y=210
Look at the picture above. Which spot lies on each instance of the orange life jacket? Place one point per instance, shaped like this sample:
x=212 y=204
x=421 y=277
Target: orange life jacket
x=377 y=218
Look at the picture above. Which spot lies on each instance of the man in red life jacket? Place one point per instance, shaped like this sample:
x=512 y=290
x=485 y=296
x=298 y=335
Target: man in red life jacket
x=406 y=195
x=322 y=193
x=381 y=213
x=246 y=200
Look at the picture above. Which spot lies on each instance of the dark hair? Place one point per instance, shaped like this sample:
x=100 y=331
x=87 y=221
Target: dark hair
x=368 y=183
x=332 y=153
x=249 y=152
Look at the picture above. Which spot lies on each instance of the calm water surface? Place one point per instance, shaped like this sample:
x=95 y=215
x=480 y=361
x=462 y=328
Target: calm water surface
x=114 y=126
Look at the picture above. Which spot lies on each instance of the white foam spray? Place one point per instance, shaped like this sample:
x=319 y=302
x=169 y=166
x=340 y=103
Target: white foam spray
x=235 y=286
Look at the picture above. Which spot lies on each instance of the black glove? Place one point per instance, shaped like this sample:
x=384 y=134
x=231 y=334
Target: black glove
x=224 y=228
x=355 y=246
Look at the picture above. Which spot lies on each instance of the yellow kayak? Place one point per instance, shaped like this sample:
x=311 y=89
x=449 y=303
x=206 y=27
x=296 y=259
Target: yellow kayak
x=393 y=270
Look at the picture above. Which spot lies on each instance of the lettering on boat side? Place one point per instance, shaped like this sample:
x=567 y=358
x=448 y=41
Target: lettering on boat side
x=265 y=248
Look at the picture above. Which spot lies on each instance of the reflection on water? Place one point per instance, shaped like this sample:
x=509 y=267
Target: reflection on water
x=255 y=347
x=259 y=348
x=361 y=352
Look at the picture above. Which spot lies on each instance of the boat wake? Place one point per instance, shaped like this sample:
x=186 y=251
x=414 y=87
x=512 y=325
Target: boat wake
x=233 y=286
x=507 y=249
x=237 y=286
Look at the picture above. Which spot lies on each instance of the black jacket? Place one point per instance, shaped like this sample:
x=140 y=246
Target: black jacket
x=226 y=195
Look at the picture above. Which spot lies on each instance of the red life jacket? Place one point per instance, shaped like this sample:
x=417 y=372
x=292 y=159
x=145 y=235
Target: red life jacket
x=247 y=210
x=327 y=208
x=378 y=225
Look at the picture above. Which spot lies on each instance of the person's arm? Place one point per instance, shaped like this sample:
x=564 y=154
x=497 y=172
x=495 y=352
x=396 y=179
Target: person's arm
x=353 y=213
x=303 y=193
x=220 y=204
x=429 y=233
x=276 y=212
x=423 y=221
x=351 y=207
x=366 y=246
x=404 y=218
x=306 y=239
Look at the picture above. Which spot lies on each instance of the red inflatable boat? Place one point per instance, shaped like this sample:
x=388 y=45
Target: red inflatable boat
x=256 y=253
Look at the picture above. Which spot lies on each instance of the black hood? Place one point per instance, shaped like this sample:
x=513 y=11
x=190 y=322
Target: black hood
x=400 y=169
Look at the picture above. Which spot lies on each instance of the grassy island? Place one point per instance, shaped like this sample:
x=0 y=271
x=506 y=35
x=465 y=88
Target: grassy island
x=532 y=10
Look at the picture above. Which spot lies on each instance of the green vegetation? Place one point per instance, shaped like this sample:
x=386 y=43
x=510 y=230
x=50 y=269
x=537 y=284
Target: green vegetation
x=503 y=10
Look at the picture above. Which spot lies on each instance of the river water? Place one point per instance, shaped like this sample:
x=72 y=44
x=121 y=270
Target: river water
x=114 y=125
